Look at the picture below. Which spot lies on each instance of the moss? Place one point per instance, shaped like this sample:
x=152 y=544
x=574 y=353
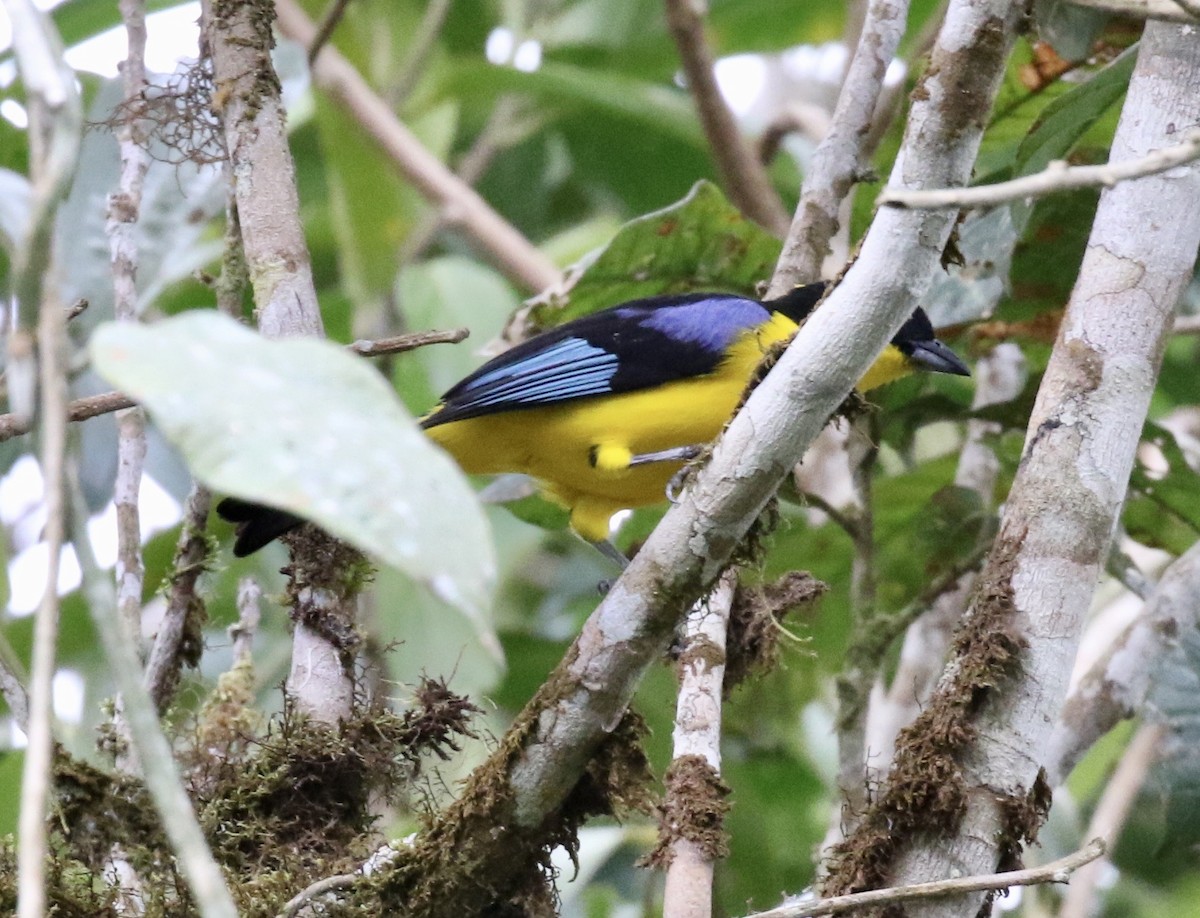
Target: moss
x=477 y=858
x=752 y=644
x=925 y=793
x=694 y=809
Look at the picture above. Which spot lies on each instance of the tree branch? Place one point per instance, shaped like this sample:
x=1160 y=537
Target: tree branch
x=124 y=206
x=525 y=782
x=55 y=124
x=840 y=157
x=742 y=173
x=999 y=377
x=92 y=406
x=692 y=850
x=1058 y=871
x=1057 y=176
x=512 y=254
x=1165 y=10
x=990 y=720
x=178 y=640
x=1117 y=686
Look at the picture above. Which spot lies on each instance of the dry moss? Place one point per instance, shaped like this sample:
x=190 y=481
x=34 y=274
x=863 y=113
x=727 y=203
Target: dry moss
x=694 y=809
x=752 y=644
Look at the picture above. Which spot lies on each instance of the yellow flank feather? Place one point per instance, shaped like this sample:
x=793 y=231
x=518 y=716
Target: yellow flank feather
x=580 y=450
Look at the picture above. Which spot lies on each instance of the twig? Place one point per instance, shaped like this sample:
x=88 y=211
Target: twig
x=239 y=39
x=1058 y=871
x=1057 y=176
x=124 y=206
x=1165 y=10
x=424 y=40
x=91 y=406
x=401 y=343
x=249 y=599
x=742 y=173
x=861 y=454
x=380 y=858
x=514 y=255
x=253 y=122
x=498 y=130
x=80 y=409
x=692 y=852
x=184 y=607
x=54 y=130
x=839 y=158
x=999 y=377
x=153 y=751
x=1112 y=811
x=329 y=21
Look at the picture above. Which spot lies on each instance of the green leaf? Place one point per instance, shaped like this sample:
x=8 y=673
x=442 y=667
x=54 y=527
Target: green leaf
x=303 y=426
x=660 y=108
x=700 y=243
x=1163 y=508
x=1066 y=119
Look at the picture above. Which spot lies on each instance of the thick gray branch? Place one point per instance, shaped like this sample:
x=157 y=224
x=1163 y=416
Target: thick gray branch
x=1080 y=445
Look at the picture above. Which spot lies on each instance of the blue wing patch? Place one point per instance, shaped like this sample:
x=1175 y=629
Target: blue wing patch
x=568 y=369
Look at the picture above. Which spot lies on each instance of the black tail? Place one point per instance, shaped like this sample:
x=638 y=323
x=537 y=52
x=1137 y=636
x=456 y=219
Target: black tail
x=256 y=525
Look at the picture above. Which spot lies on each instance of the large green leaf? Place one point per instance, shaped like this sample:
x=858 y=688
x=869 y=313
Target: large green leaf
x=303 y=426
x=701 y=243
x=1066 y=120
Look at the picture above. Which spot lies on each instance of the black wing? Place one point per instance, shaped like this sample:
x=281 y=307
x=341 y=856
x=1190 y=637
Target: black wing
x=634 y=346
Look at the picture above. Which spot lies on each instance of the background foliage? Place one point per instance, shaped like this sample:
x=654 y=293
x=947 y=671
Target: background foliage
x=579 y=151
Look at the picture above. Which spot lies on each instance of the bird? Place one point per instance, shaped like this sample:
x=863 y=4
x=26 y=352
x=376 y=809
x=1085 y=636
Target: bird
x=604 y=410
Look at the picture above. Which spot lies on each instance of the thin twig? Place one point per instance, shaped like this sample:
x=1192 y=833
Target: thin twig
x=742 y=173
x=80 y=409
x=55 y=124
x=424 y=40
x=1187 y=325
x=513 y=255
x=169 y=651
x=1112 y=811
x=153 y=751
x=841 y=155
x=92 y=406
x=325 y=28
x=1058 y=871
x=249 y=600
x=124 y=207
x=1117 y=685
x=380 y=858
x=1166 y=10
x=497 y=131
x=401 y=343
x=1057 y=176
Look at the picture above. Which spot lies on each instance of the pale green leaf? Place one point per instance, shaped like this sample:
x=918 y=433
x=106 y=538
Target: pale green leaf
x=303 y=426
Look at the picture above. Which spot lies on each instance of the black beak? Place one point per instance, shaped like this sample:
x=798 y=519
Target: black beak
x=935 y=356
